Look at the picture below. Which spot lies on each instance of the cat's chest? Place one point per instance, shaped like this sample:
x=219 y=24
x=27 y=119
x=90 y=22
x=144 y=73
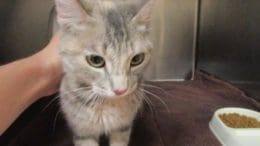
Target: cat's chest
x=112 y=113
x=109 y=116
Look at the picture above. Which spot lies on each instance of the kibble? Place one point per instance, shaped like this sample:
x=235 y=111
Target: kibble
x=235 y=120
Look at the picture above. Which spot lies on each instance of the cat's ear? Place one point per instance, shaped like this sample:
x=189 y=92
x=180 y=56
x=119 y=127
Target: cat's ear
x=71 y=14
x=143 y=18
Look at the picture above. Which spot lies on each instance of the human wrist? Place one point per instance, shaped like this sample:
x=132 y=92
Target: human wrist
x=51 y=73
x=50 y=69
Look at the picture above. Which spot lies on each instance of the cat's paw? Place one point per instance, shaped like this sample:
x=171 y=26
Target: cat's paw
x=120 y=138
x=86 y=142
x=119 y=144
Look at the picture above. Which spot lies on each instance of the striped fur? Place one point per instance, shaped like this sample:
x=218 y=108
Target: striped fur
x=110 y=29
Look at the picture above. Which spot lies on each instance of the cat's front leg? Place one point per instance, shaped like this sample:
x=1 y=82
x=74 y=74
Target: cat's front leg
x=85 y=142
x=121 y=137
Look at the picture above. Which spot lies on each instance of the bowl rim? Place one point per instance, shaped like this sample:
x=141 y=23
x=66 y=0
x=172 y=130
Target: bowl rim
x=236 y=110
x=229 y=136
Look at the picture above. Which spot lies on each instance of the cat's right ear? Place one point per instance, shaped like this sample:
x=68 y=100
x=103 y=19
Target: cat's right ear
x=143 y=18
x=71 y=15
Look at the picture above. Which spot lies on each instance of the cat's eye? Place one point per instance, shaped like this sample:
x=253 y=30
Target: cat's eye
x=95 y=61
x=137 y=59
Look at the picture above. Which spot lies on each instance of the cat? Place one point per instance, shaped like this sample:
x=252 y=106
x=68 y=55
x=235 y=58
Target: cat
x=105 y=48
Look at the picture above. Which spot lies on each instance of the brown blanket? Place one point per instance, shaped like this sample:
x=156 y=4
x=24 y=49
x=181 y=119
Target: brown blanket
x=183 y=121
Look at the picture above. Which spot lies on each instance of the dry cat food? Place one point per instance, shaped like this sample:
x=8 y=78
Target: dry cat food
x=235 y=120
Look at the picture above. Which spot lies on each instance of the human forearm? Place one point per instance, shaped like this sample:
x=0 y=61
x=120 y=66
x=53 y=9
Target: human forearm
x=25 y=81
x=20 y=86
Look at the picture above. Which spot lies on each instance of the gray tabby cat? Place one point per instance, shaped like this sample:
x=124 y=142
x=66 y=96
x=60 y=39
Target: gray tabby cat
x=104 y=49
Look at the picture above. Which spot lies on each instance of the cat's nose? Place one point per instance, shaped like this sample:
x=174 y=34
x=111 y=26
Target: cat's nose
x=120 y=91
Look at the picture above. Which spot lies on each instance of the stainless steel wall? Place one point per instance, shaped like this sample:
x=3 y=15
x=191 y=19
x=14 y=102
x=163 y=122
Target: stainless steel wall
x=229 y=39
x=175 y=28
x=24 y=30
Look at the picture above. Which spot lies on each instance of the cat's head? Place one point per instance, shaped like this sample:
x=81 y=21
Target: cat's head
x=105 y=44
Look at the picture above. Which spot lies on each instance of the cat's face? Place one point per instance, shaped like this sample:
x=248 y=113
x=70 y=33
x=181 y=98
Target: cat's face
x=108 y=49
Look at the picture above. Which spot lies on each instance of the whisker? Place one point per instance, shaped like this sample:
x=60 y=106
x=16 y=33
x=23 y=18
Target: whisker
x=156 y=97
x=58 y=112
x=146 y=100
x=49 y=103
x=152 y=86
x=93 y=102
x=84 y=103
x=65 y=93
x=55 y=121
x=77 y=89
x=100 y=100
x=155 y=87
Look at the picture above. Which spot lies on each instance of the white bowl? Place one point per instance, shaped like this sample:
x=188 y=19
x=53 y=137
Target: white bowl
x=235 y=136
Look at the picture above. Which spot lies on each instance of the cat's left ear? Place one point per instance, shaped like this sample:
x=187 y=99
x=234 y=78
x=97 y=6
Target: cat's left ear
x=143 y=18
